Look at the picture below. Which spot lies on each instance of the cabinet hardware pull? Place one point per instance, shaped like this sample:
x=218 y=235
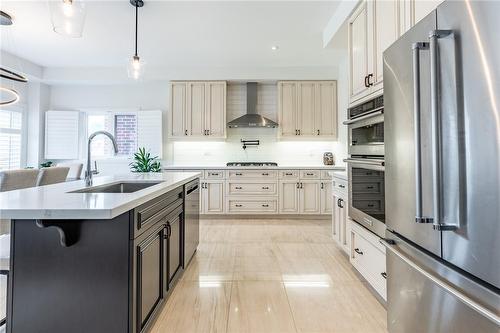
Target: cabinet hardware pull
x=208 y=132
x=186 y=132
x=238 y=205
x=238 y=187
x=299 y=132
x=239 y=174
x=214 y=173
x=301 y=185
x=310 y=174
x=358 y=251
x=368 y=79
x=366 y=84
x=339 y=203
x=371 y=205
x=318 y=132
x=265 y=174
x=369 y=187
x=341 y=186
x=265 y=187
x=322 y=185
x=288 y=174
x=298 y=185
x=265 y=205
x=384 y=275
x=296 y=132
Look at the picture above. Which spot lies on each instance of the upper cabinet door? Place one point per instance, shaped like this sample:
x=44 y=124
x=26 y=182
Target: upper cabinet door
x=195 y=114
x=306 y=108
x=325 y=117
x=358 y=53
x=385 y=32
x=287 y=105
x=422 y=8
x=215 y=116
x=178 y=100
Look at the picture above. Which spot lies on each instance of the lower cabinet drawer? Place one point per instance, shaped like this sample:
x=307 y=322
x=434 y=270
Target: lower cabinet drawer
x=252 y=205
x=259 y=174
x=368 y=259
x=310 y=174
x=242 y=188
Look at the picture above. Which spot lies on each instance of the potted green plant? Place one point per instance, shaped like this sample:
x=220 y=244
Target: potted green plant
x=143 y=162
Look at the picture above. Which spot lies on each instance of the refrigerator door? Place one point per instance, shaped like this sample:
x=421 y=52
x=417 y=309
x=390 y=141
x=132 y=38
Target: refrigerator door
x=400 y=146
x=475 y=245
x=426 y=296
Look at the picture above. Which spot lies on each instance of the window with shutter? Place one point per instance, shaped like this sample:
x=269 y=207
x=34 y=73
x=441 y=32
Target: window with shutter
x=10 y=139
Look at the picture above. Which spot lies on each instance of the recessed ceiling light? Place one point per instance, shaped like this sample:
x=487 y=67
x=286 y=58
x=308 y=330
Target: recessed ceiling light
x=275 y=47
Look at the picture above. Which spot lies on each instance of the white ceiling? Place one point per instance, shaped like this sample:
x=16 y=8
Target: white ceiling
x=209 y=33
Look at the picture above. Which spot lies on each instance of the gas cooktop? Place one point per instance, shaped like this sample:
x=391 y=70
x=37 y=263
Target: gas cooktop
x=251 y=164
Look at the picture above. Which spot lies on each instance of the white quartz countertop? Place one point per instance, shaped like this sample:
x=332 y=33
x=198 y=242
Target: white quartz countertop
x=279 y=167
x=54 y=201
x=338 y=174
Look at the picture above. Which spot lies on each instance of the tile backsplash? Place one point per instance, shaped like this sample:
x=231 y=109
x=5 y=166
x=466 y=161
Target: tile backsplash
x=270 y=149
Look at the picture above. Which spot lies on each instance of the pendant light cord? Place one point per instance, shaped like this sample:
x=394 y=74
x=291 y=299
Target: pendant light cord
x=136 y=11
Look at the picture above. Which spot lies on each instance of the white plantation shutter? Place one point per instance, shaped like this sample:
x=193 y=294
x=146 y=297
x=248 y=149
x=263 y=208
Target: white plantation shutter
x=149 y=131
x=61 y=135
x=10 y=139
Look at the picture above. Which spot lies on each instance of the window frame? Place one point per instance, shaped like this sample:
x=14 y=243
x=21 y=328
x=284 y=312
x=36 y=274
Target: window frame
x=107 y=112
x=20 y=108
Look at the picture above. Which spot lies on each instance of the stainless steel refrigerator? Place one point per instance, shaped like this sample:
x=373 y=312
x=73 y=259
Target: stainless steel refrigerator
x=442 y=169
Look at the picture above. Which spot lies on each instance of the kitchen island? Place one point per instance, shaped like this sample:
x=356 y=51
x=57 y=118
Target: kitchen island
x=98 y=259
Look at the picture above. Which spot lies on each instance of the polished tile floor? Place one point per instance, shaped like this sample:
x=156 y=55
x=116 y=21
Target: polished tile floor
x=269 y=276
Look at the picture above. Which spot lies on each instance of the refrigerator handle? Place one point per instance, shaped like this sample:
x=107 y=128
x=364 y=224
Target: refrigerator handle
x=436 y=129
x=416 y=48
x=390 y=245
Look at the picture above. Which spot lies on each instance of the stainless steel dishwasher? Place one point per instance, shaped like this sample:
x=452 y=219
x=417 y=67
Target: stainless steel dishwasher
x=191 y=219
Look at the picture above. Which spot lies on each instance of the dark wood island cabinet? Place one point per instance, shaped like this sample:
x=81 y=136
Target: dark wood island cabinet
x=96 y=275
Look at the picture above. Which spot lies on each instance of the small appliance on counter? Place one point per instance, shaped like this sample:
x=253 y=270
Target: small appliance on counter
x=328 y=158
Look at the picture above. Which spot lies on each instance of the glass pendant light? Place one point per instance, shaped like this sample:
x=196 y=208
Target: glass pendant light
x=135 y=68
x=68 y=17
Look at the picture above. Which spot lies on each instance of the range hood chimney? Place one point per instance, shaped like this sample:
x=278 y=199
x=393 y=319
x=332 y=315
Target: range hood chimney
x=251 y=118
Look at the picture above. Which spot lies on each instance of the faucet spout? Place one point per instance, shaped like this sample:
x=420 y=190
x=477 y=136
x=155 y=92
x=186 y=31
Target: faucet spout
x=89 y=172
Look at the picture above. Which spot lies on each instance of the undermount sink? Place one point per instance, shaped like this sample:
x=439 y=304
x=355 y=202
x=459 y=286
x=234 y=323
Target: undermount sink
x=121 y=187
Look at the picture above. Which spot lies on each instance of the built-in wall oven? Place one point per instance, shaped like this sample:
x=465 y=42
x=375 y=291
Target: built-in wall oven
x=367 y=192
x=366 y=128
x=366 y=172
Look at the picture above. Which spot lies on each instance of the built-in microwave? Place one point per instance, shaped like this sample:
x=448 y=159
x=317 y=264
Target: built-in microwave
x=367 y=193
x=366 y=128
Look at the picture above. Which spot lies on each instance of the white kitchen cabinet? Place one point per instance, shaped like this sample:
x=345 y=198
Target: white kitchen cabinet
x=307 y=109
x=372 y=28
x=197 y=110
x=309 y=197
x=358 y=36
x=367 y=255
x=325 y=117
x=213 y=197
x=215 y=114
x=421 y=8
x=195 y=113
x=178 y=99
x=326 y=197
x=287 y=105
x=385 y=32
x=288 y=197
x=340 y=220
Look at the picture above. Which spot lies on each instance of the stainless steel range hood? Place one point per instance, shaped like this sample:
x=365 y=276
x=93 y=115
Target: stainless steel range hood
x=252 y=119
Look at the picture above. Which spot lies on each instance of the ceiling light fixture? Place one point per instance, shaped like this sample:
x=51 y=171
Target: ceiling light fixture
x=12 y=96
x=135 y=67
x=9 y=100
x=275 y=47
x=68 y=17
x=5 y=19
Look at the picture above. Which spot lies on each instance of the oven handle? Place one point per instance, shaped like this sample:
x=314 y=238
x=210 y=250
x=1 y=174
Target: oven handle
x=376 y=112
x=365 y=161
